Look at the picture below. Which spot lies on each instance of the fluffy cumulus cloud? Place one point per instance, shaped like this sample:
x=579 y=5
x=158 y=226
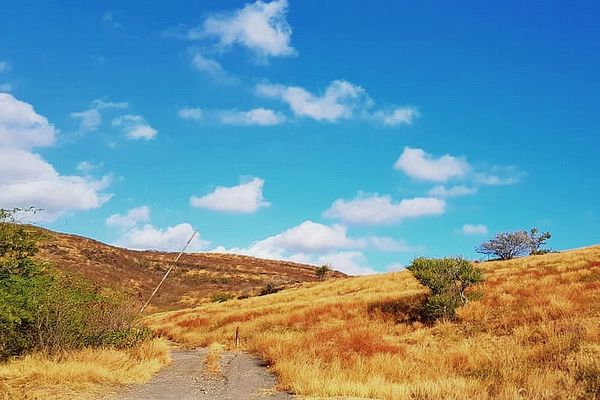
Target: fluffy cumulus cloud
x=132 y=218
x=257 y=116
x=244 y=198
x=454 y=191
x=341 y=100
x=172 y=238
x=26 y=179
x=418 y=164
x=135 y=127
x=397 y=116
x=21 y=126
x=190 y=113
x=379 y=210
x=474 y=229
x=314 y=243
x=261 y=27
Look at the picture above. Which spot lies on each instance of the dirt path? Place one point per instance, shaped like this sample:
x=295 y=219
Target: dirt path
x=244 y=378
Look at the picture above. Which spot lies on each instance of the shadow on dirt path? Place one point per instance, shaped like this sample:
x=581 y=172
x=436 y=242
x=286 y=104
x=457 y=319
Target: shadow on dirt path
x=244 y=377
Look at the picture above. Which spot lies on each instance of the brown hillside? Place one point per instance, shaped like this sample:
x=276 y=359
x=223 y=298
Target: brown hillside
x=196 y=277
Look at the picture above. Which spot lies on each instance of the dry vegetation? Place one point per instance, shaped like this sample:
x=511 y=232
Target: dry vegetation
x=198 y=276
x=535 y=334
x=80 y=374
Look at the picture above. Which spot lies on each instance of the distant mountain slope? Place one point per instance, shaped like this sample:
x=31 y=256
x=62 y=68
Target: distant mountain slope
x=195 y=279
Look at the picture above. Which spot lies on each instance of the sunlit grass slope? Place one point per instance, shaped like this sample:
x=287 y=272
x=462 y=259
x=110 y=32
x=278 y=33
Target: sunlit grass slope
x=535 y=334
x=80 y=374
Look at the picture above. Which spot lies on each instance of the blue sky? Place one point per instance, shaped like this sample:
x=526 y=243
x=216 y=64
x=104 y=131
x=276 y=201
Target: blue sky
x=358 y=136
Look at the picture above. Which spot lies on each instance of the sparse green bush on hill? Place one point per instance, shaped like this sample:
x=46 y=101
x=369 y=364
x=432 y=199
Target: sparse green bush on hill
x=41 y=309
x=447 y=279
x=221 y=297
x=268 y=289
x=322 y=271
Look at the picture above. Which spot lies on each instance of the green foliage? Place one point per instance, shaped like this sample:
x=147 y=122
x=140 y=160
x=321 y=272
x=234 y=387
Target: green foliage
x=268 y=289
x=322 y=271
x=447 y=279
x=41 y=309
x=221 y=297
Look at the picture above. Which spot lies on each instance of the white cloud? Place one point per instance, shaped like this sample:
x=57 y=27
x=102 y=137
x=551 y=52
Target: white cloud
x=499 y=176
x=211 y=68
x=340 y=101
x=26 y=179
x=257 y=116
x=244 y=198
x=131 y=219
x=474 y=229
x=418 y=164
x=454 y=191
x=315 y=243
x=135 y=127
x=378 y=210
x=309 y=237
x=89 y=120
x=397 y=116
x=108 y=18
x=389 y=244
x=87 y=167
x=21 y=126
x=104 y=105
x=4 y=66
x=349 y=262
x=172 y=238
x=190 y=113
x=261 y=27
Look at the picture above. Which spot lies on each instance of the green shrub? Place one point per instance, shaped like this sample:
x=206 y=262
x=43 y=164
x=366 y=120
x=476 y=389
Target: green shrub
x=322 y=271
x=269 y=288
x=447 y=279
x=46 y=310
x=221 y=297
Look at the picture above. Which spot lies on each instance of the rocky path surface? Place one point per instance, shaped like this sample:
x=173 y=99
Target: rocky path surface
x=244 y=378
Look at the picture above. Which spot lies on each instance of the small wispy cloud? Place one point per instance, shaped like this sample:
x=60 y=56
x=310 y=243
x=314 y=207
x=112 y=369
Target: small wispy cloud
x=190 y=113
x=257 y=116
x=135 y=127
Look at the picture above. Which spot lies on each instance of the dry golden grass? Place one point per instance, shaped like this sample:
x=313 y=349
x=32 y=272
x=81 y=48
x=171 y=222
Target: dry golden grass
x=535 y=334
x=212 y=362
x=81 y=374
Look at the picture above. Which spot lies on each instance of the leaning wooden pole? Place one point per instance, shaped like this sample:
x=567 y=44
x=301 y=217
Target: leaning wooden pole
x=169 y=270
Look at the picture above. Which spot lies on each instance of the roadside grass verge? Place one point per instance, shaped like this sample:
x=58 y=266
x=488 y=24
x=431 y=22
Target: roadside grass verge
x=81 y=374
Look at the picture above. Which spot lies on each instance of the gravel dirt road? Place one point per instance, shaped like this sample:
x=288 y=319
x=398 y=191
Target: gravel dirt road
x=244 y=377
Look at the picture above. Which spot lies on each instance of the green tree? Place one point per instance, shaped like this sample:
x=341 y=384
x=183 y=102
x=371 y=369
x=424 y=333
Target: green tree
x=322 y=271
x=447 y=279
x=508 y=245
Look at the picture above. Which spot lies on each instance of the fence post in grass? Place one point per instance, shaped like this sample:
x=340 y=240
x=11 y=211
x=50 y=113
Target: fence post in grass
x=237 y=337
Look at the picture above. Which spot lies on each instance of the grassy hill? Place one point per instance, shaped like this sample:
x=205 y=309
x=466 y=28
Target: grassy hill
x=196 y=278
x=534 y=334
